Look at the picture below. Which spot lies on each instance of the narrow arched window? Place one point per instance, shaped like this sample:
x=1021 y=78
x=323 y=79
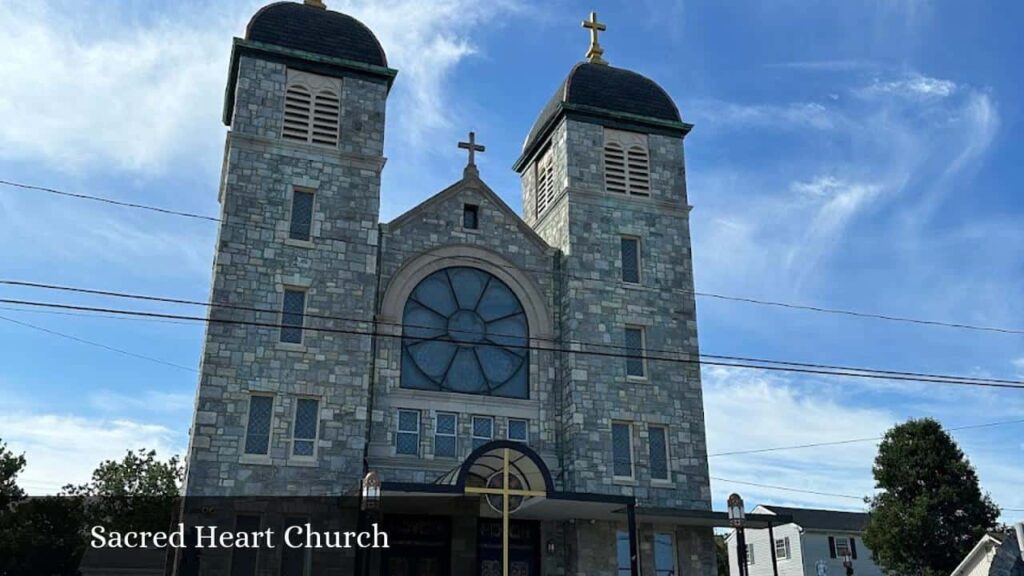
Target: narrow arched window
x=312 y=108
x=545 y=178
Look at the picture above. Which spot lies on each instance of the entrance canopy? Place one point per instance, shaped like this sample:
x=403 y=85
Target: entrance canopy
x=546 y=503
x=488 y=460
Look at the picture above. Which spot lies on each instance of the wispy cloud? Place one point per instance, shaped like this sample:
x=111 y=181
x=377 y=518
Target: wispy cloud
x=912 y=86
x=136 y=98
x=63 y=449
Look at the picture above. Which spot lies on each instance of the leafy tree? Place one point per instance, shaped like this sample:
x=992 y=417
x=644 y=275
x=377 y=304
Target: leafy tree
x=10 y=467
x=136 y=493
x=722 y=555
x=47 y=535
x=930 y=511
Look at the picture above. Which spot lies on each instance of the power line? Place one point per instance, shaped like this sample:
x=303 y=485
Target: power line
x=802 y=365
x=110 y=201
x=852 y=373
x=97 y=344
x=703 y=294
x=853 y=440
x=786 y=488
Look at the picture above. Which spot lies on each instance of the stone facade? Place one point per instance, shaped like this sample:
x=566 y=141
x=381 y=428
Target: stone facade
x=563 y=265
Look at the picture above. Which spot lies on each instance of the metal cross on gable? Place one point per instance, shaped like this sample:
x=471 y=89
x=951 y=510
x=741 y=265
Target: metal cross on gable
x=473 y=148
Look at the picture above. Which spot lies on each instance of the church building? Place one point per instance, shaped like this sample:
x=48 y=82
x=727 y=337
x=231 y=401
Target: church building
x=544 y=363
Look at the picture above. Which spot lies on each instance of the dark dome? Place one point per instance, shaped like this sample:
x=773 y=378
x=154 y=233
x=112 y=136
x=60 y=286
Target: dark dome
x=603 y=88
x=312 y=29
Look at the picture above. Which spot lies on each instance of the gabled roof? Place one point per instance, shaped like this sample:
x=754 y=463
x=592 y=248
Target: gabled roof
x=470 y=181
x=987 y=542
x=818 y=519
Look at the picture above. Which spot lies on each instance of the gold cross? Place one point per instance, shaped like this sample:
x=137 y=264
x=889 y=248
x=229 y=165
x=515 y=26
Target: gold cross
x=473 y=148
x=595 y=51
x=505 y=492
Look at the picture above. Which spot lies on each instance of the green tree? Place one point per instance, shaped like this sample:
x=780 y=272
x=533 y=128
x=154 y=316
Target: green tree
x=722 y=555
x=930 y=510
x=135 y=493
x=10 y=467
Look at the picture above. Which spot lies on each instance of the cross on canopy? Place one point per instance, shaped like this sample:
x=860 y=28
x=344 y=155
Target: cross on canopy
x=473 y=148
x=595 y=51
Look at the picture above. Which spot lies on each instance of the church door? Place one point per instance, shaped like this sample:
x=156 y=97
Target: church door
x=524 y=548
x=420 y=546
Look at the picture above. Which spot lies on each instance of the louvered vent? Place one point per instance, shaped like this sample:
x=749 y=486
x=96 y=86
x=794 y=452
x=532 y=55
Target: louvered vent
x=325 y=118
x=545 y=184
x=615 y=168
x=638 y=171
x=298 y=104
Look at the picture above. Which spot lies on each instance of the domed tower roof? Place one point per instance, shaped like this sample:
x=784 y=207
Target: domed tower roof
x=309 y=37
x=311 y=28
x=600 y=91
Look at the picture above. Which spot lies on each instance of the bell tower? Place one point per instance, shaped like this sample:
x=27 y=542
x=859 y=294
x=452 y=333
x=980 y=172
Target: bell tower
x=603 y=179
x=282 y=401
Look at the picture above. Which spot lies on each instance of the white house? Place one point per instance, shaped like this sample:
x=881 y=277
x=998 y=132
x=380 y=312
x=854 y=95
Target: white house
x=813 y=543
x=996 y=554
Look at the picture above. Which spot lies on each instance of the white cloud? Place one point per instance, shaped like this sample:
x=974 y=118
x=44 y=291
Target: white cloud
x=62 y=449
x=137 y=96
x=728 y=115
x=913 y=86
x=108 y=401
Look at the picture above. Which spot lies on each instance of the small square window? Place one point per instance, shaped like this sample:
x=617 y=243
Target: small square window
x=483 y=430
x=630 y=260
x=518 y=429
x=445 y=440
x=257 y=430
x=470 y=216
x=635 y=365
x=293 y=312
x=622 y=450
x=302 y=215
x=304 y=431
x=407 y=438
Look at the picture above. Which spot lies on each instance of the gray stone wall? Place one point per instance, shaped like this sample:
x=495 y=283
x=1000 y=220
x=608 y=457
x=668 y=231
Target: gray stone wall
x=255 y=261
x=503 y=243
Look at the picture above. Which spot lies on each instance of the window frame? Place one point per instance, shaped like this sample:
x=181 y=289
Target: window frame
x=674 y=569
x=301 y=327
x=454 y=434
x=643 y=352
x=787 y=552
x=473 y=209
x=248 y=423
x=315 y=440
x=845 y=540
x=668 y=453
x=296 y=191
x=472 y=430
x=639 y=259
x=418 y=433
x=632 y=451
x=750 y=554
x=620 y=570
x=526 y=429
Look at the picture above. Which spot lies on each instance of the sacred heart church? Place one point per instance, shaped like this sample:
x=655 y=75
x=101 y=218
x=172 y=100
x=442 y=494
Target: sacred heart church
x=542 y=365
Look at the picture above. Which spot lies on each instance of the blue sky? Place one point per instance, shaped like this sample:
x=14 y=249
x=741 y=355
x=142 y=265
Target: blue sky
x=857 y=155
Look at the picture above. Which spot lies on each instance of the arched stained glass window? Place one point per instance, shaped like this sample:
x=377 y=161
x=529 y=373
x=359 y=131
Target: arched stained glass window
x=465 y=331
